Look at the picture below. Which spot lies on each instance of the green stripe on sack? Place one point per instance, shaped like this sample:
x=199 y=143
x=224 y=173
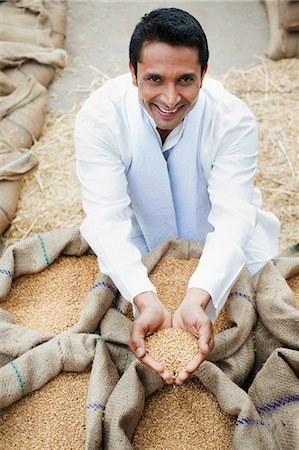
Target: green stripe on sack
x=126 y=360
x=19 y=377
x=44 y=249
x=222 y=334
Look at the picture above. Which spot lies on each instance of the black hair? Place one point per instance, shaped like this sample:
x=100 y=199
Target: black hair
x=173 y=26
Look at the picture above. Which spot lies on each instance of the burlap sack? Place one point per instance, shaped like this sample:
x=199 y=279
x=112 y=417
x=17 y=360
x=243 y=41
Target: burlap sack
x=9 y=197
x=41 y=23
x=13 y=54
x=282 y=44
x=119 y=382
x=234 y=347
x=18 y=25
x=276 y=304
x=22 y=115
x=43 y=73
x=33 y=357
x=52 y=13
x=289 y=14
x=6 y=85
x=20 y=61
x=266 y=417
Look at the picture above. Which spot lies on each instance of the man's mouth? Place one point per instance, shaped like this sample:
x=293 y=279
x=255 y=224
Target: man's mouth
x=167 y=112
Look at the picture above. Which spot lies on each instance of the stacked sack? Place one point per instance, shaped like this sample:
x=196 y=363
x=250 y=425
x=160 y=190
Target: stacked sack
x=284 y=28
x=29 y=34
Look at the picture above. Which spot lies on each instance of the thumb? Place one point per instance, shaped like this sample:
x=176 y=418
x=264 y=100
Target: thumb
x=136 y=342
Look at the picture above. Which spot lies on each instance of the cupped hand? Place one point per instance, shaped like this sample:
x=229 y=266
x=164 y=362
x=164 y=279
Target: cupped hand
x=153 y=316
x=191 y=317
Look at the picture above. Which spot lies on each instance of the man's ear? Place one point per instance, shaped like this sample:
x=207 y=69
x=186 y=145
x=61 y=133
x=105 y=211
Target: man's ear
x=134 y=77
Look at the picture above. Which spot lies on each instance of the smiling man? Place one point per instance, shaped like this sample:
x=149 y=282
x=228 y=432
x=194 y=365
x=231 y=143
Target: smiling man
x=165 y=152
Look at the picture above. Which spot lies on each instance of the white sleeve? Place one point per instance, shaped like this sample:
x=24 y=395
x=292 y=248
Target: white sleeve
x=232 y=214
x=107 y=227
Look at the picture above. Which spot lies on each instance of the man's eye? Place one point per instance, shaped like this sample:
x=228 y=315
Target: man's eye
x=153 y=78
x=186 y=78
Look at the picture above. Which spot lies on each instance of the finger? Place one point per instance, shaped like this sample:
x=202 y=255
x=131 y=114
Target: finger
x=205 y=335
x=195 y=362
x=182 y=377
x=157 y=367
x=136 y=342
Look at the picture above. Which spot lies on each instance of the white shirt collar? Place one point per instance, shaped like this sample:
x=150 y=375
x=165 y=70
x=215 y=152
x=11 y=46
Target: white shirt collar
x=173 y=137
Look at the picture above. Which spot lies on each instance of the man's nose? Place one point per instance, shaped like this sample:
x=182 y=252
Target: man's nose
x=171 y=96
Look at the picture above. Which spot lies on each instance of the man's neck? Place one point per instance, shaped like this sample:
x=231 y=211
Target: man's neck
x=163 y=134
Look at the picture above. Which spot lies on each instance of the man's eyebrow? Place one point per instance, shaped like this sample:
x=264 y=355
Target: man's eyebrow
x=157 y=75
x=152 y=74
x=188 y=75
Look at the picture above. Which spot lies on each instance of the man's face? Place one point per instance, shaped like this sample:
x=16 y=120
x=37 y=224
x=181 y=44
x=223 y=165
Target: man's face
x=168 y=79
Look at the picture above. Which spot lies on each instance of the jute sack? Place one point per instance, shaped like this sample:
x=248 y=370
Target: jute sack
x=18 y=25
x=41 y=23
x=119 y=382
x=30 y=358
x=282 y=44
x=22 y=115
x=266 y=417
x=9 y=197
x=276 y=305
x=234 y=347
x=20 y=61
x=13 y=54
x=6 y=85
x=289 y=14
x=43 y=73
x=51 y=13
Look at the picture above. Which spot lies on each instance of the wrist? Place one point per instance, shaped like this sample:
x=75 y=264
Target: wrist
x=144 y=299
x=198 y=296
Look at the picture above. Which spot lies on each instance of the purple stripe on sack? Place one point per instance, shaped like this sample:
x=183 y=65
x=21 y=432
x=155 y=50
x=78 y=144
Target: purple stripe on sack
x=107 y=285
x=5 y=213
x=241 y=294
x=6 y=272
x=249 y=421
x=95 y=406
x=267 y=407
x=277 y=403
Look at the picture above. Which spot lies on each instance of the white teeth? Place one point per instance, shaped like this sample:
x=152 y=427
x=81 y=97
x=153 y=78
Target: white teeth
x=167 y=111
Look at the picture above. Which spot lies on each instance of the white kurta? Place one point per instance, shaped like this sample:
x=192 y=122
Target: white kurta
x=242 y=232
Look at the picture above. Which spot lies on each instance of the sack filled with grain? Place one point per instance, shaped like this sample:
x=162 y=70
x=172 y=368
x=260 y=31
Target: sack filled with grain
x=54 y=415
x=170 y=266
x=6 y=84
x=20 y=25
x=22 y=115
x=13 y=54
x=41 y=23
x=9 y=197
x=18 y=61
x=289 y=14
x=277 y=301
x=210 y=411
x=283 y=38
x=51 y=13
x=52 y=300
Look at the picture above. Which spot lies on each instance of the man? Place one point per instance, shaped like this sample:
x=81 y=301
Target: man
x=165 y=152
